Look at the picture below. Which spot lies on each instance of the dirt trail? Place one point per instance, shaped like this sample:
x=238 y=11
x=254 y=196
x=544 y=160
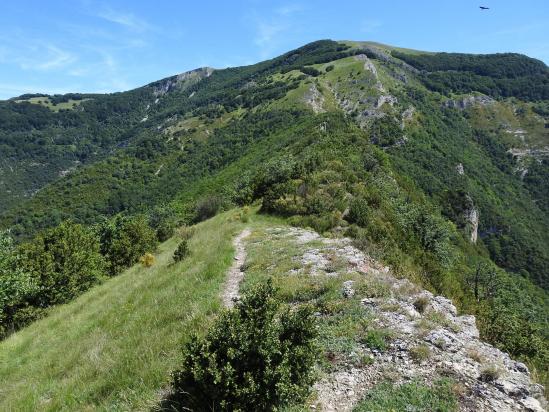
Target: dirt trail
x=235 y=274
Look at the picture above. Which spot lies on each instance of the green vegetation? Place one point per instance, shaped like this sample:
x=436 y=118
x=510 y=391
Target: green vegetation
x=497 y=75
x=15 y=284
x=55 y=103
x=124 y=240
x=114 y=347
x=38 y=145
x=410 y=396
x=181 y=251
x=61 y=263
x=257 y=356
x=376 y=339
x=420 y=353
x=383 y=172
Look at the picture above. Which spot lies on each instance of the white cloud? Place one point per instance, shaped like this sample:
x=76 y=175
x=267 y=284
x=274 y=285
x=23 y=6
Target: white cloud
x=267 y=32
x=125 y=19
x=56 y=58
x=40 y=57
x=289 y=9
x=271 y=29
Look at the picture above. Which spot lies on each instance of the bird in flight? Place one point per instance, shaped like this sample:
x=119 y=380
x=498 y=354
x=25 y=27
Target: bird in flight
x=484 y=8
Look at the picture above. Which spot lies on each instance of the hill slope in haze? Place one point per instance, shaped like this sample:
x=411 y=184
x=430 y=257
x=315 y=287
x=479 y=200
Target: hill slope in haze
x=436 y=164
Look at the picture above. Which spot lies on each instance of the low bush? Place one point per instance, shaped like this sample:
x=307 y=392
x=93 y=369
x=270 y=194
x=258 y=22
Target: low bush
x=376 y=339
x=255 y=357
x=185 y=232
x=163 y=220
x=311 y=71
x=421 y=303
x=124 y=240
x=147 y=260
x=181 y=252
x=63 y=262
x=16 y=286
x=208 y=207
x=359 y=212
x=245 y=214
x=420 y=353
x=490 y=373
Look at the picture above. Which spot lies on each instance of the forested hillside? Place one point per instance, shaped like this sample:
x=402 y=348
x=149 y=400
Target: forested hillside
x=437 y=164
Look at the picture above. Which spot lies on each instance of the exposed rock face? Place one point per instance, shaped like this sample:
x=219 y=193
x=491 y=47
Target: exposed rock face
x=369 y=66
x=314 y=98
x=452 y=340
x=408 y=114
x=386 y=99
x=472 y=223
x=471 y=216
x=536 y=153
x=383 y=56
x=468 y=101
x=180 y=81
x=523 y=157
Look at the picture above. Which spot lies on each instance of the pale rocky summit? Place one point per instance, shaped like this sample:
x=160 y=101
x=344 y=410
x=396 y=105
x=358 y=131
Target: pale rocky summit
x=181 y=81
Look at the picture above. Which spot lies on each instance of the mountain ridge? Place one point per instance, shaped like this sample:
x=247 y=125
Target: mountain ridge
x=433 y=163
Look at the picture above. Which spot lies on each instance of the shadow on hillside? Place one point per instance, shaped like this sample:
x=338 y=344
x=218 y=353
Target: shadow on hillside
x=175 y=402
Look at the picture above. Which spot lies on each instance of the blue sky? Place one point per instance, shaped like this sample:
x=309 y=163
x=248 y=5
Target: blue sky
x=103 y=46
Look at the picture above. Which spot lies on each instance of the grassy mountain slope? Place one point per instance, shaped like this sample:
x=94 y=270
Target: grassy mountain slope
x=113 y=347
x=179 y=140
x=411 y=154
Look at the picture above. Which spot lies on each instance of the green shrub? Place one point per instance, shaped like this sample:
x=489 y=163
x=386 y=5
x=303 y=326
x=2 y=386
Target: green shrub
x=181 y=252
x=376 y=339
x=311 y=71
x=124 y=240
x=163 y=220
x=16 y=286
x=24 y=315
x=359 y=212
x=208 y=207
x=64 y=262
x=420 y=353
x=255 y=357
x=421 y=303
x=245 y=214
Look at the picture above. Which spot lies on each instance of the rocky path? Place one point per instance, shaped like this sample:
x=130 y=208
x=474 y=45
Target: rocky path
x=235 y=274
